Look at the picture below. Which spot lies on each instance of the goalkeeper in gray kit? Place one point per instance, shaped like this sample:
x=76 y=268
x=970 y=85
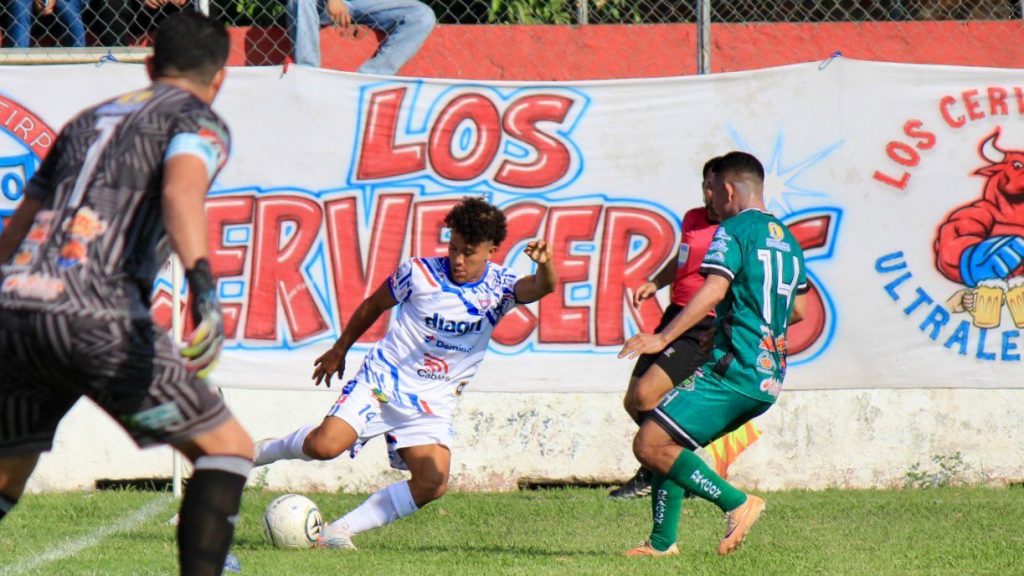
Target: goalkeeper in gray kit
x=125 y=182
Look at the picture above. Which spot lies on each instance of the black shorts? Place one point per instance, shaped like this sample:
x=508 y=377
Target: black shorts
x=681 y=358
x=49 y=361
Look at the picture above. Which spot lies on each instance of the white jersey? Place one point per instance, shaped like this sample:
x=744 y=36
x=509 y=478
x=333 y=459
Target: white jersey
x=439 y=337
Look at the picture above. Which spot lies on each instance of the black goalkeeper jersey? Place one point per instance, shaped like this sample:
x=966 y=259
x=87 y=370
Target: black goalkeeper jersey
x=98 y=241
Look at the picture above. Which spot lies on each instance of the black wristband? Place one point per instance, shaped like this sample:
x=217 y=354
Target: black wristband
x=200 y=279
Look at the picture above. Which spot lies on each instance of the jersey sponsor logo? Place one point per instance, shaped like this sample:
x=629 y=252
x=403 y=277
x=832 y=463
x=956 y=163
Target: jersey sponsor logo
x=775 y=238
x=437 y=342
x=455 y=327
x=721 y=234
x=434 y=368
x=974 y=307
x=770 y=342
x=25 y=256
x=160 y=417
x=42 y=225
x=718 y=246
x=714 y=257
x=778 y=345
x=771 y=386
x=125 y=104
x=34 y=286
x=81 y=229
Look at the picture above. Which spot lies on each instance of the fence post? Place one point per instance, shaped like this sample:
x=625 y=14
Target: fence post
x=203 y=6
x=583 y=12
x=704 y=36
x=177 y=329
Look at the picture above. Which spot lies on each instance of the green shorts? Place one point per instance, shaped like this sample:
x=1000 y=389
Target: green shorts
x=703 y=408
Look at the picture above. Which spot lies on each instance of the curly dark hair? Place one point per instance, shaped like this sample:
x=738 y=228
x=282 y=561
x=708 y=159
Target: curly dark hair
x=477 y=220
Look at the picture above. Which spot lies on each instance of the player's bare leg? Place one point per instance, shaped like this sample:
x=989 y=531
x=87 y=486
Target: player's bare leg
x=657 y=451
x=14 y=473
x=650 y=389
x=328 y=440
x=222 y=458
x=629 y=400
x=643 y=395
x=324 y=442
x=429 y=466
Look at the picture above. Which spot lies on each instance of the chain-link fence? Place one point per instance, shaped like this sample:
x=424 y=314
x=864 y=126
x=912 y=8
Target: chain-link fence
x=550 y=39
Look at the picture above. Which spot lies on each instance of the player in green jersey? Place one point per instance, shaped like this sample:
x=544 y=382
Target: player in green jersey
x=756 y=283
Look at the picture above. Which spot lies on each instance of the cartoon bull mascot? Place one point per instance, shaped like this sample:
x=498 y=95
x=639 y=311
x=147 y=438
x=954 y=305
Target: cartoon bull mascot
x=981 y=244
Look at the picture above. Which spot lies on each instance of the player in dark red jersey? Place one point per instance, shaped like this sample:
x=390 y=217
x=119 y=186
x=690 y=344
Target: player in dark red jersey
x=655 y=374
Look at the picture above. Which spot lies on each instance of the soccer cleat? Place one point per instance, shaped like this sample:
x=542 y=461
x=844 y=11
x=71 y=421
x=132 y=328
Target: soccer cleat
x=738 y=524
x=639 y=486
x=335 y=538
x=231 y=563
x=645 y=549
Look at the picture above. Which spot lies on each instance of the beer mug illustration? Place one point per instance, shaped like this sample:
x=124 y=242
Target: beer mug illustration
x=988 y=303
x=1015 y=300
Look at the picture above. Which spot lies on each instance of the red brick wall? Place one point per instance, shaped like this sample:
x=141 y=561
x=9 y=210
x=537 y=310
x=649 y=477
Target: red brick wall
x=614 y=51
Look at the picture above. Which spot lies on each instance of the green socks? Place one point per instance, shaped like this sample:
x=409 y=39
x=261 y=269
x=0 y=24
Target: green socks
x=666 y=505
x=690 y=472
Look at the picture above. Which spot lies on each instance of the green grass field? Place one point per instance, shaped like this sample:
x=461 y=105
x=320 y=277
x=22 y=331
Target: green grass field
x=573 y=531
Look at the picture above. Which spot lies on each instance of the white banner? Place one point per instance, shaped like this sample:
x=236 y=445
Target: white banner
x=903 y=183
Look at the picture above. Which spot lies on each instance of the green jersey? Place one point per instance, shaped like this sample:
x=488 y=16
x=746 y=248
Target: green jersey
x=765 y=267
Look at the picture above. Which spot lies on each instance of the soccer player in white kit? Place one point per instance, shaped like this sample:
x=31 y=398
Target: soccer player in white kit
x=409 y=382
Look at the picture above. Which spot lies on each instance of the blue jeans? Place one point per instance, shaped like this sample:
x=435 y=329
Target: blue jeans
x=18 y=23
x=406 y=24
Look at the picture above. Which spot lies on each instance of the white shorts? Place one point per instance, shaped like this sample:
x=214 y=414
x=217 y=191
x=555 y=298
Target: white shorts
x=370 y=417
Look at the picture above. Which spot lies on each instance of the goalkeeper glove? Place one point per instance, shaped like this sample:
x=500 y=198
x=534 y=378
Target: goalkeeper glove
x=203 y=345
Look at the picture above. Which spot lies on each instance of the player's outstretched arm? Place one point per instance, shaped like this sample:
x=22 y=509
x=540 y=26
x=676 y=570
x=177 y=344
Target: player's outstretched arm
x=536 y=286
x=663 y=278
x=704 y=301
x=333 y=361
x=16 y=228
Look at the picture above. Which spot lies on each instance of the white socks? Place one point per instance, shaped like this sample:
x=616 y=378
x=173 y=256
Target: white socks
x=288 y=447
x=382 y=507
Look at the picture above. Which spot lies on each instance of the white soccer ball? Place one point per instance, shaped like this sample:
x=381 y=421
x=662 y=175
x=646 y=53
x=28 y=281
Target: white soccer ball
x=293 y=522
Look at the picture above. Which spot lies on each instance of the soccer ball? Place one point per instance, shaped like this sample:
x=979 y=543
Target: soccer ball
x=293 y=522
